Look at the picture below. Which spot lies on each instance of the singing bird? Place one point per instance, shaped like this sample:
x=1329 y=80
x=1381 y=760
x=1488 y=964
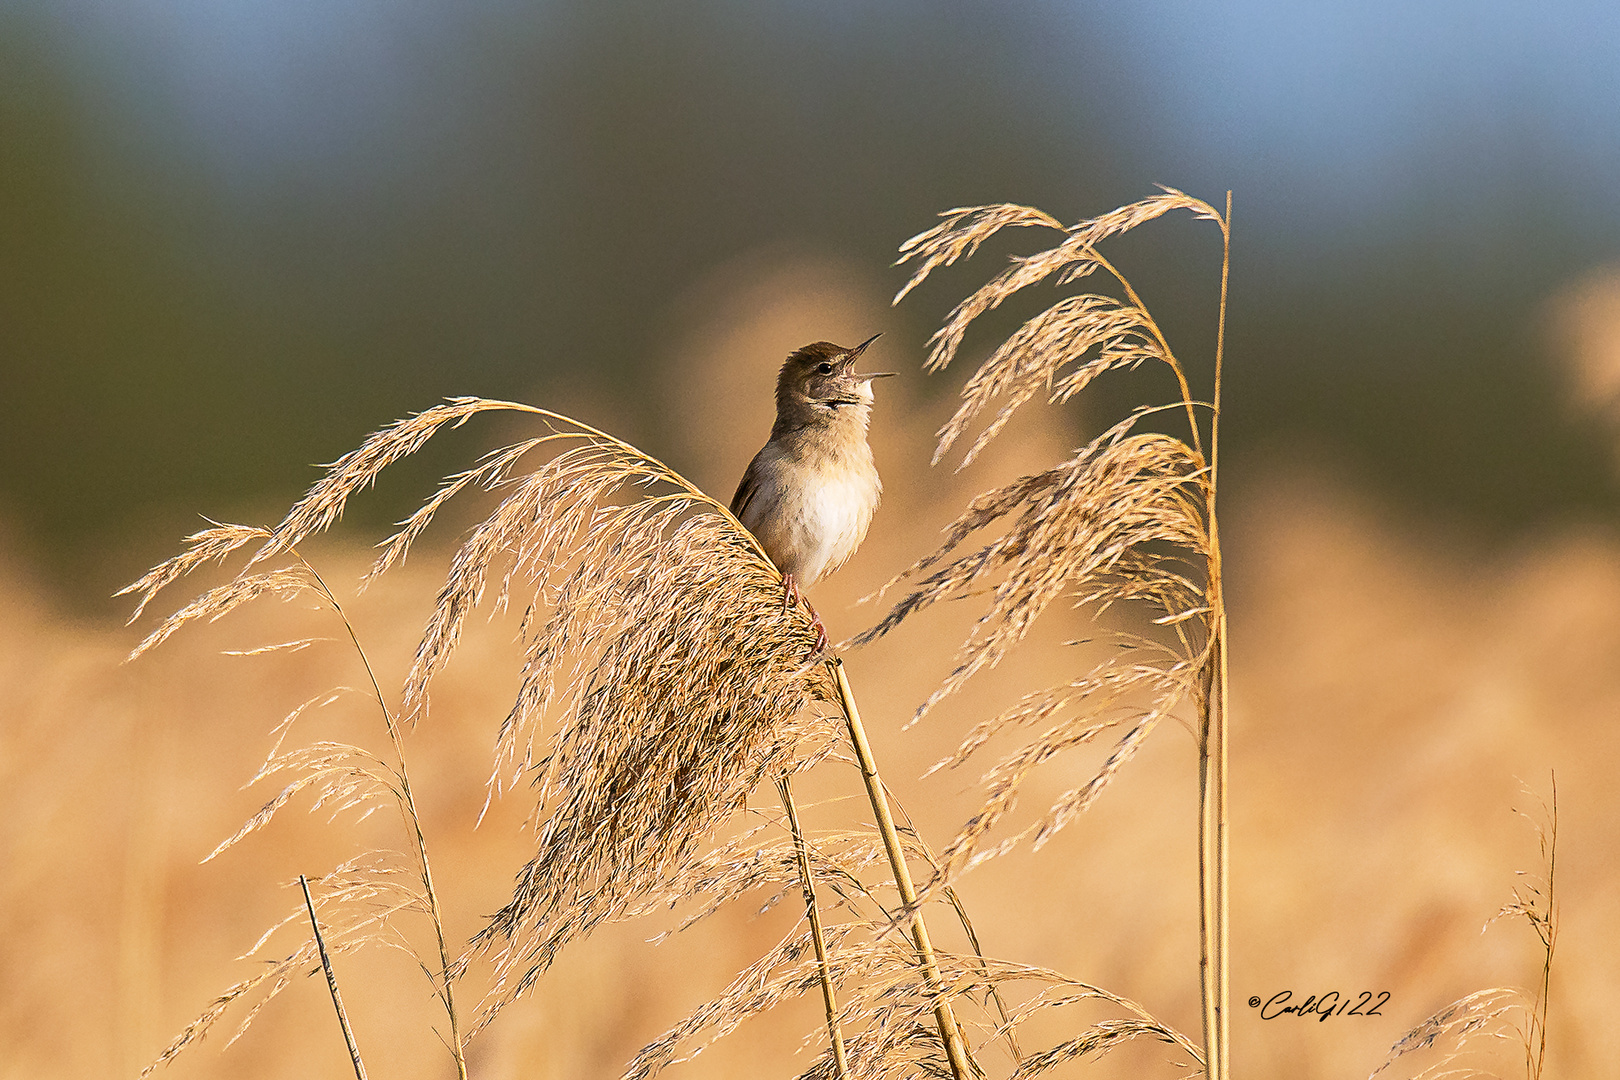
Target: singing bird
x=810 y=493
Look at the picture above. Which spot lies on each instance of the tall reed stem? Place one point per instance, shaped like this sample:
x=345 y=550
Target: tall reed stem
x=801 y=852
x=1213 y=845
x=949 y=1033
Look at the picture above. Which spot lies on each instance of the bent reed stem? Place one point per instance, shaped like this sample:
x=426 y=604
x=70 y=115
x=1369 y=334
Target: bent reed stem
x=801 y=853
x=331 y=983
x=962 y=1066
x=1169 y=354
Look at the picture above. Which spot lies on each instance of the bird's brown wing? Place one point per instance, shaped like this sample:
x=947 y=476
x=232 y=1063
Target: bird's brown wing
x=746 y=490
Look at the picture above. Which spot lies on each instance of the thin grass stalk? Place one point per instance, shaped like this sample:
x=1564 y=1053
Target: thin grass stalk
x=446 y=989
x=962 y=1066
x=331 y=983
x=1547 y=930
x=1480 y=1017
x=1223 y=921
x=1008 y=1027
x=829 y=998
x=444 y=985
x=1213 y=845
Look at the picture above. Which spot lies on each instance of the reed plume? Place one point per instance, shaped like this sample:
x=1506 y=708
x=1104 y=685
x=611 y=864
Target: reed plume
x=662 y=681
x=1129 y=519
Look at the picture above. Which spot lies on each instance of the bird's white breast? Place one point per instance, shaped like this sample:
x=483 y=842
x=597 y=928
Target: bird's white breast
x=810 y=519
x=834 y=516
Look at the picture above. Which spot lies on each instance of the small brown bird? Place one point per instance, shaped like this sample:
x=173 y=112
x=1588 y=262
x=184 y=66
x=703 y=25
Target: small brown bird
x=810 y=493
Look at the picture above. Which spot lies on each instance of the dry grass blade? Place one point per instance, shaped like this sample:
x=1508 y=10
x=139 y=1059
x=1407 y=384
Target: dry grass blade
x=741 y=867
x=1002 y=783
x=324 y=503
x=341 y=777
x=331 y=981
x=890 y=1009
x=889 y=1017
x=1482 y=1013
x=862 y=954
x=358 y=899
x=209 y=545
x=1104 y=697
x=993 y=994
x=285 y=582
x=326 y=500
x=1036 y=357
x=964 y=229
x=788 y=970
x=1072 y=259
x=1536 y=902
x=1496 y=1013
x=492 y=471
x=1060 y=991
x=812 y=911
x=1093 y=1043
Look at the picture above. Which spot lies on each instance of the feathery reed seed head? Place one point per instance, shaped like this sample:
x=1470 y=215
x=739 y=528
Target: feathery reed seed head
x=1124 y=520
x=657 y=647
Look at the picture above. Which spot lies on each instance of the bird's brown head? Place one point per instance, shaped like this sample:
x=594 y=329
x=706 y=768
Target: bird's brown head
x=820 y=381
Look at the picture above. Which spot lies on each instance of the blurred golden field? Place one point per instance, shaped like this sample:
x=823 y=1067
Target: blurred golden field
x=1396 y=685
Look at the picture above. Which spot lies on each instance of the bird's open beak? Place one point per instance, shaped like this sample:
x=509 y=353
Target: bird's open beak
x=849 y=362
x=857 y=350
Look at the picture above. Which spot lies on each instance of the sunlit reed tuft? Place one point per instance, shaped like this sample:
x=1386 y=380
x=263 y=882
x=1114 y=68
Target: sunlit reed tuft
x=1128 y=519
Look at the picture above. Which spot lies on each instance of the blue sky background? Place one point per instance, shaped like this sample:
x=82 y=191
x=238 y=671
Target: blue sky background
x=1361 y=103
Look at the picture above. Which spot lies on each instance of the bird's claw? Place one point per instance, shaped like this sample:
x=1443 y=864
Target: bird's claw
x=822 y=644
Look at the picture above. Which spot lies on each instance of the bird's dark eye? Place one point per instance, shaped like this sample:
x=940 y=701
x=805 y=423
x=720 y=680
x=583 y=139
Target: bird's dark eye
x=824 y=368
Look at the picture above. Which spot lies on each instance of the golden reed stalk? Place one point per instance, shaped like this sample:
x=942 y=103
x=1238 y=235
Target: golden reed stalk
x=949 y=1033
x=444 y=982
x=1213 y=837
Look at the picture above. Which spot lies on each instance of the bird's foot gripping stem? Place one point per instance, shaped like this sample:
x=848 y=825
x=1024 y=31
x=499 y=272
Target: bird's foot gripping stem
x=791 y=596
x=822 y=645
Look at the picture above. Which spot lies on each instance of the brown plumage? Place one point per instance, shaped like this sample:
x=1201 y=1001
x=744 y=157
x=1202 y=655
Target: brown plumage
x=810 y=493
